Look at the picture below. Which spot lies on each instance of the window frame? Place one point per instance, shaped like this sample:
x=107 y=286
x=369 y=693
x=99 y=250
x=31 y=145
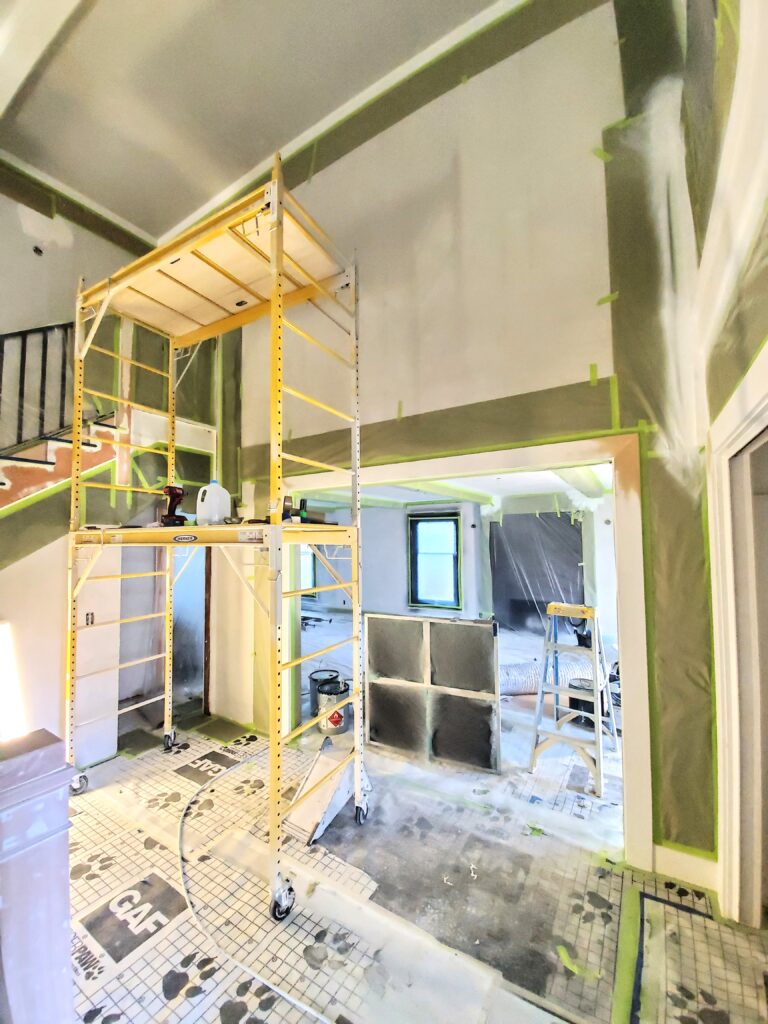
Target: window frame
x=413 y=519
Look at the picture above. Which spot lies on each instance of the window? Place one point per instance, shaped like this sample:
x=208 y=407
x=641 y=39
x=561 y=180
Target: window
x=433 y=554
x=308 y=572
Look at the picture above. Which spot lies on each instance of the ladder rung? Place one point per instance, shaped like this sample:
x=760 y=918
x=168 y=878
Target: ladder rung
x=134 y=447
x=314 y=462
x=316 y=234
x=122 y=665
x=582 y=652
x=320 y=782
x=140 y=704
x=122 y=487
x=570 y=691
x=124 y=401
x=125 y=576
x=127 y=359
x=318 y=284
x=316 y=654
x=318 y=404
x=122 y=622
x=319 y=590
x=320 y=344
x=318 y=718
x=564 y=737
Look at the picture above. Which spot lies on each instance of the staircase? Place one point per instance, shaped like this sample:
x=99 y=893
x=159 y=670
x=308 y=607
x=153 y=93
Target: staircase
x=36 y=413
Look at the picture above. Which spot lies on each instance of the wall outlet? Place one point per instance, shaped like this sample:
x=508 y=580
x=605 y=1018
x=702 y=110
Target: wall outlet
x=90 y=618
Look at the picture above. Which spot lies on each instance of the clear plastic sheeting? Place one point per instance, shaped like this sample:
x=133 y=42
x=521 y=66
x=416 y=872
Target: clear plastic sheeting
x=535 y=559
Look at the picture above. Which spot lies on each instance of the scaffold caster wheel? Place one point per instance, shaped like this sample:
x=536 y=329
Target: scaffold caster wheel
x=282 y=904
x=169 y=740
x=79 y=784
x=361 y=813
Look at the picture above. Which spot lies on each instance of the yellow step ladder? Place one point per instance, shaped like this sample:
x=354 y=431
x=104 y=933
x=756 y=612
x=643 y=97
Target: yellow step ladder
x=561 y=726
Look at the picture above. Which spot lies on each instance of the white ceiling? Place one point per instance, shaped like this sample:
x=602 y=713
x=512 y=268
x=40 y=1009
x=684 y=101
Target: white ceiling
x=498 y=486
x=151 y=107
x=510 y=485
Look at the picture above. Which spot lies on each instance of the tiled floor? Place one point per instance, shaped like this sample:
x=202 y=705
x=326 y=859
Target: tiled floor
x=457 y=894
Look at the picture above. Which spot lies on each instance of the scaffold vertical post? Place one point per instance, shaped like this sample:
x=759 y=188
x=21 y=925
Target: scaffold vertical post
x=282 y=894
x=276 y=346
x=78 y=371
x=169 y=733
x=71 y=659
x=171 y=412
x=361 y=809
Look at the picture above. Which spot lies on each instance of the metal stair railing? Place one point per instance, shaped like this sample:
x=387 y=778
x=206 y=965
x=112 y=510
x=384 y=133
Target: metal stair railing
x=35 y=385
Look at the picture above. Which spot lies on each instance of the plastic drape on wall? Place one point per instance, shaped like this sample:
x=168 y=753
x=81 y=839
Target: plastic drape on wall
x=535 y=559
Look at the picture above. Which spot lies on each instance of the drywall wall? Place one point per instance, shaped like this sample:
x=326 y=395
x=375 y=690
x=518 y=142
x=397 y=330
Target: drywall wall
x=39 y=288
x=241 y=639
x=385 y=563
x=477 y=249
x=600 y=565
x=33 y=598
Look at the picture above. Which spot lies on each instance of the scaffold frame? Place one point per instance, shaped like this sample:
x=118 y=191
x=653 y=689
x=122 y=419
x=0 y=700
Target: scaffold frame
x=190 y=291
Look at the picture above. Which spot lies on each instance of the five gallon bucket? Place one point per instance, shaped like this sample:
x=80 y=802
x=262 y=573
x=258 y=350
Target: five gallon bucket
x=321 y=675
x=329 y=694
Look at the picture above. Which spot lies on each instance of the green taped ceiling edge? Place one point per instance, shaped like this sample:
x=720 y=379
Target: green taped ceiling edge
x=403 y=97
x=24 y=188
x=511 y=446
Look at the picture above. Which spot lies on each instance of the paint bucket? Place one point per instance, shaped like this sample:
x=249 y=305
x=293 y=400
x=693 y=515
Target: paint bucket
x=322 y=675
x=328 y=695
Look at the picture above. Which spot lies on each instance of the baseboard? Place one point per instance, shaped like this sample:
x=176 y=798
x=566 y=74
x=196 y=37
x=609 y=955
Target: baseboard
x=701 y=872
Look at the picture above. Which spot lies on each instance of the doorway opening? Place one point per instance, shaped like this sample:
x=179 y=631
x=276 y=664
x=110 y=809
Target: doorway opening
x=748 y=471
x=497 y=546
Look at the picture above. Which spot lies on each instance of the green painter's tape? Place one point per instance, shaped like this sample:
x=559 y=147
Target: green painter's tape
x=602 y=154
x=570 y=965
x=615 y=410
x=626 y=955
x=649 y=629
x=676 y=581
x=30 y=191
x=692 y=851
x=607 y=299
x=593 y=377
x=708 y=563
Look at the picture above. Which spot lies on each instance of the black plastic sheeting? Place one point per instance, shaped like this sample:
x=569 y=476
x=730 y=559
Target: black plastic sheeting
x=535 y=559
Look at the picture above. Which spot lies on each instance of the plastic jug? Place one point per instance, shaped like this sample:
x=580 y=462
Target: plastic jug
x=214 y=504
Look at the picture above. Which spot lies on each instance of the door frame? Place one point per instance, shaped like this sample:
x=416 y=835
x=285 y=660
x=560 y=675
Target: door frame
x=742 y=420
x=623 y=451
